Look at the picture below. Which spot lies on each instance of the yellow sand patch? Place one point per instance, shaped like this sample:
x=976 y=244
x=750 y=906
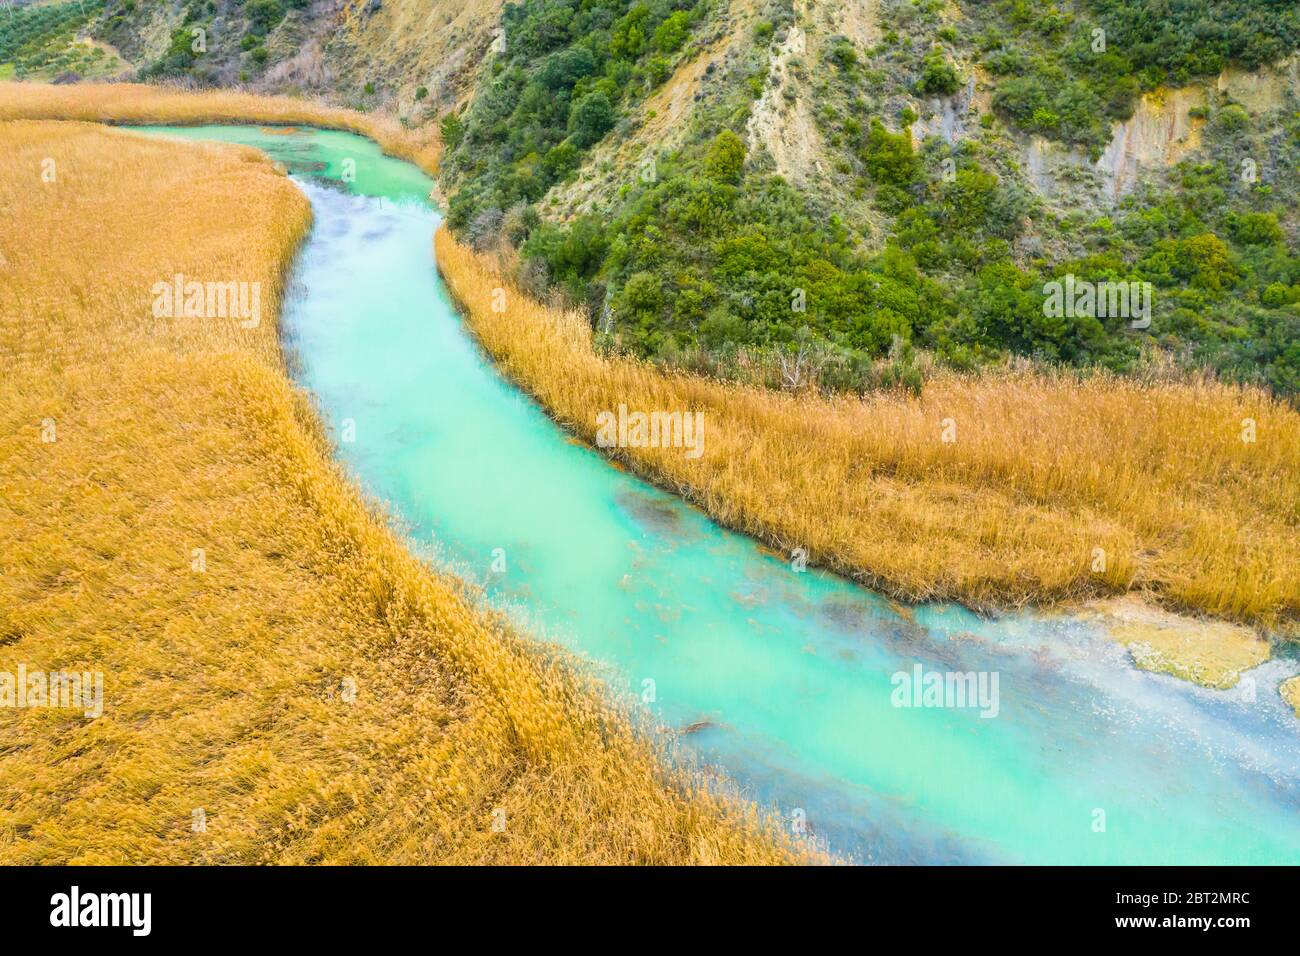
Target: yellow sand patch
x=1210 y=653
x=1290 y=691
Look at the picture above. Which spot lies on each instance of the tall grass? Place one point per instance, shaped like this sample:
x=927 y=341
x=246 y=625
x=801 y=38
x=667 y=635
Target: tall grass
x=229 y=674
x=141 y=103
x=1054 y=488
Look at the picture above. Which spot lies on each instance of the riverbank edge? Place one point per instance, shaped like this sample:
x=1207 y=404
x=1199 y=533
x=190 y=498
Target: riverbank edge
x=143 y=104
x=1136 y=619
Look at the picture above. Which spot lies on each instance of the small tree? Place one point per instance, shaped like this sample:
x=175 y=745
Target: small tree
x=671 y=34
x=590 y=119
x=453 y=130
x=801 y=360
x=726 y=158
x=938 y=78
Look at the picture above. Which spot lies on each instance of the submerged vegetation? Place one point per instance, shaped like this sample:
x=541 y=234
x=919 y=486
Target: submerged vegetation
x=991 y=490
x=283 y=681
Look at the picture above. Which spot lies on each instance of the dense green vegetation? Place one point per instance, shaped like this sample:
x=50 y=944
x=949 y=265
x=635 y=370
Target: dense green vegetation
x=1214 y=244
x=40 y=41
x=702 y=256
x=1066 y=71
x=569 y=70
x=715 y=262
x=184 y=49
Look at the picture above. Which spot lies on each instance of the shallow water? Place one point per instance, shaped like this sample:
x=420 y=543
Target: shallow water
x=790 y=676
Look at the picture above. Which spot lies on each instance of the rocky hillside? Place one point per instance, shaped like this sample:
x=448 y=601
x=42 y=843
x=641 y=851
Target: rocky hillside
x=843 y=192
x=859 y=189
x=412 y=58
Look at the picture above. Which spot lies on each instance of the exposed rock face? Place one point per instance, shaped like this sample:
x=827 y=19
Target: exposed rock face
x=1160 y=133
x=860 y=20
x=781 y=123
x=1262 y=90
x=402 y=45
x=1057 y=171
x=951 y=118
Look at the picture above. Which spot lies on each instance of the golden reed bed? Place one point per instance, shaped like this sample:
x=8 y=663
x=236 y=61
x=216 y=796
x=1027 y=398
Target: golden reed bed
x=283 y=682
x=1051 y=489
x=142 y=103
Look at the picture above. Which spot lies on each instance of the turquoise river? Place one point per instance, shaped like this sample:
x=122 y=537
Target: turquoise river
x=790 y=681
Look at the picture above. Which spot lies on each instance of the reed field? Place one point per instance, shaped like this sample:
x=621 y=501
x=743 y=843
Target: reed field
x=283 y=681
x=141 y=104
x=999 y=490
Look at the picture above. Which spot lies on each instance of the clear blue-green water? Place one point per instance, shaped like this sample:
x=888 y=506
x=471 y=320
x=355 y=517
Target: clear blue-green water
x=790 y=675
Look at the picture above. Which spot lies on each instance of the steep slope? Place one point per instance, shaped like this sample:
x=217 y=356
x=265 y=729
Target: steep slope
x=911 y=178
x=404 y=57
x=404 y=47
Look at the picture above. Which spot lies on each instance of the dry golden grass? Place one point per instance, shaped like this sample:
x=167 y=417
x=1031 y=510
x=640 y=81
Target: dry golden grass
x=1043 y=471
x=225 y=689
x=141 y=103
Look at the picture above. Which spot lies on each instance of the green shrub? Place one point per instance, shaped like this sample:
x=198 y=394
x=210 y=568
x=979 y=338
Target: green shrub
x=263 y=15
x=590 y=119
x=452 y=129
x=671 y=34
x=726 y=158
x=938 y=78
x=888 y=157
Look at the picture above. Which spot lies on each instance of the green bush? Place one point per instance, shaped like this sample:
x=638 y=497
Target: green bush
x=888 y=157
x=671 y=34
x=590 y=119
x=726 y=158
x=452 y=129
x=263 y=15
x=1255 y=228
x=938 y=78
